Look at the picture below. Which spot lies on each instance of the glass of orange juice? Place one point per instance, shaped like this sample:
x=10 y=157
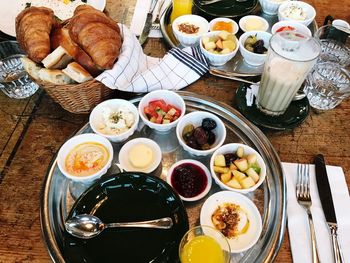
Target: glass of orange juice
x=181 y=7
x=204 y=244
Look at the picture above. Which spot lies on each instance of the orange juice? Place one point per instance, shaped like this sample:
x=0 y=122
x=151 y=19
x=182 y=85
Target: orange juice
x=202 y=249
x=181 y=7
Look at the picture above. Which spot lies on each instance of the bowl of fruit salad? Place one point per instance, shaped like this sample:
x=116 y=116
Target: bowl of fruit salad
x=200 y=133
x=253 y=46
x=237 y=167
x=162 y=109
x=219 y=47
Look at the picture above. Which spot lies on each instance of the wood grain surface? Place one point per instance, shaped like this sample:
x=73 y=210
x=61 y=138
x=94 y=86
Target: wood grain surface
x=32 y=131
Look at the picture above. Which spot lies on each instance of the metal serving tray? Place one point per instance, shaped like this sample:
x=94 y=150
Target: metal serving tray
x=270 y=198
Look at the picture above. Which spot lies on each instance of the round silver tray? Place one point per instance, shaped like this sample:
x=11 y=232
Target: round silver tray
x=58 y=192
x=236 y=67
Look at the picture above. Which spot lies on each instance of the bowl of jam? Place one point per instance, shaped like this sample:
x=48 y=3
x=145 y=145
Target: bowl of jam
x=190 y=179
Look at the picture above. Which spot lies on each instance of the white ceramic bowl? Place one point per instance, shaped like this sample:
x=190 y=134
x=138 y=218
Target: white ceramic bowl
x=195 y=118
x=200 y=165
x=243 y=241
x=170 y=97
x=190 y=39
x=96 y=118
x=71 y=144
x=298 y=27
x=246 y=20
x=308 y=9
x=252 y=58
x=270 y=7
x=235 y=26
x=217 y=59
x=232 y=148
x=124 y=155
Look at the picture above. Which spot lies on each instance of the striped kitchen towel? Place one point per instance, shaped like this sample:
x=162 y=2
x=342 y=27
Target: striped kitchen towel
x=136 y=72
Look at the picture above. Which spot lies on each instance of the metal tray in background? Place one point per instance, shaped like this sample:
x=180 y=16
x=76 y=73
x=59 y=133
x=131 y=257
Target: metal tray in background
x=236 y=66
x=270 y=198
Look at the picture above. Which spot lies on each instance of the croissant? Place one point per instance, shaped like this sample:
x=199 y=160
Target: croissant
x=60 y=37
x=97 y=34
x=33 y=27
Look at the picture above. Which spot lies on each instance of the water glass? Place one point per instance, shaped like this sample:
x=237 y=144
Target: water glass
x=333 y=43
x=14 y=81
x=327 y=85
x=204 y=244
x=289 y=59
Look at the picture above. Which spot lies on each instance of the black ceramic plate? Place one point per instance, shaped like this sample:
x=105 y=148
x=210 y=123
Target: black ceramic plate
x=293 y=117
x=226 y=8
x=127 y=197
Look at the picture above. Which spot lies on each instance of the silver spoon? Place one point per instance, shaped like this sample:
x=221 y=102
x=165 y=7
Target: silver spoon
x=88 y=226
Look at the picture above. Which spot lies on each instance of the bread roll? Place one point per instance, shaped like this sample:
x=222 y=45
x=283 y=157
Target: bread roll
x=57 y=59
x=54 y=76
x=31 y=67
x=77 y=72
x=33 y=27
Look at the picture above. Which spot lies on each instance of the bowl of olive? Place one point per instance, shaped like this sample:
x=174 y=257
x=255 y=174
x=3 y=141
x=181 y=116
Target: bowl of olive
x=253 y=46
x=200 y=133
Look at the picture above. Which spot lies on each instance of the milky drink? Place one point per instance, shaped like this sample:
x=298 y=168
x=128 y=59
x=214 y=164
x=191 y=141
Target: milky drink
x=290 y=58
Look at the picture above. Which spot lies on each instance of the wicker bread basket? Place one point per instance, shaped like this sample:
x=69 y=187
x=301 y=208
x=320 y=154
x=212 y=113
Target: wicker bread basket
x=77 y=98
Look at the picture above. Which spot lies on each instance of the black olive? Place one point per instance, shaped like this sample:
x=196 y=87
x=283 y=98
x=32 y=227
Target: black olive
x=208 y=124
x=211 y=137
x=200 y=135
x=259 y=47
x=192 y=142
x=230 y=158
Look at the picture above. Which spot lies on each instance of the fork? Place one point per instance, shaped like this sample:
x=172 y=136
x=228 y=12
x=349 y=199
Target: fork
x=155 y=24
x=304 y=199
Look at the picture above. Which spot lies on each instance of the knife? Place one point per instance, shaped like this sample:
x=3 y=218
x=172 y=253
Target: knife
x=147 y=28
x=325 y=194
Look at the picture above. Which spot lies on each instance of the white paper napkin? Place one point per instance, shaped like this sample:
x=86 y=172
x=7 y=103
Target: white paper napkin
x=140 y=13
x=136 y=72
x=298 y=226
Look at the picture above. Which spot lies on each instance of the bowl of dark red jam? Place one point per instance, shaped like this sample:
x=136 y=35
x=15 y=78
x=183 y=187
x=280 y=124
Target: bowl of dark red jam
x=190 y=179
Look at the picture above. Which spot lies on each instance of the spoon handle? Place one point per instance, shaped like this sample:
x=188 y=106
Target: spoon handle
x=161 y=223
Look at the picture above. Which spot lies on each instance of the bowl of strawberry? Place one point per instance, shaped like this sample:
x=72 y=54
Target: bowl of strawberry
x=162 y=109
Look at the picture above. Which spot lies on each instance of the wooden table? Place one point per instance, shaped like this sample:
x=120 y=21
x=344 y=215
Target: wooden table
x=32 y=131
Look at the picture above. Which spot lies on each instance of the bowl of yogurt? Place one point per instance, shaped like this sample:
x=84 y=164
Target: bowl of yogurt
x=297 y=11
x=188 y=29
x=114 y=119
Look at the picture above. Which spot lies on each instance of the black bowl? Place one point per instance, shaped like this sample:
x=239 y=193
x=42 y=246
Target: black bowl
x=128 y=197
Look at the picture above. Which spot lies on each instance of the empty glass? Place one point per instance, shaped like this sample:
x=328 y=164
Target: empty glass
x=333 y=43
x=327 y=85
x=14 y=81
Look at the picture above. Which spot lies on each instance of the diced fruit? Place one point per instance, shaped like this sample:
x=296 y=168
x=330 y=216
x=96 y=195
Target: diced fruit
x=251 y=172
x=242 y=164
x=247 y=182
x=238 y=175
x=240 y=152
x=221 y=170
x=225 y=177
x=234 y=183
x=225 y=51
x=256 y=168
x=166 y=121
x=251 y=158
x=229 y=44
x=219 y=44
x=233 y=167
x=219 y=160
x=209 y=45
x=205 y=40
x=171 y=112
x=224 y=35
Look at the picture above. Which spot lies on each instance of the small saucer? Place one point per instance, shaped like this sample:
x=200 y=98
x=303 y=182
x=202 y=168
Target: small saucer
x=296 y=113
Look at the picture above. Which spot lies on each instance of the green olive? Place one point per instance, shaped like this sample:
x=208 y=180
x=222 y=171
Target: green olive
x=249 y=47
x=187 y=131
